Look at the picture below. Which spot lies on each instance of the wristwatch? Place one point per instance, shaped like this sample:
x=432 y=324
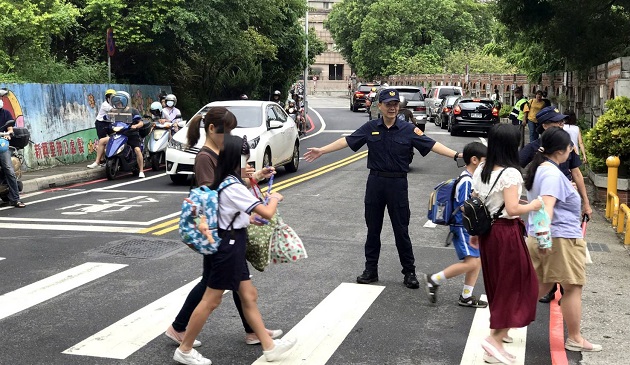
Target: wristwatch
x=456 y=155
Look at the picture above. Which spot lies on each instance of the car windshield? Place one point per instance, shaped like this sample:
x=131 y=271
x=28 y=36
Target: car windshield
x=469 y=104
x=246 y=116
x=411 y=94
x=447 y=92
x=366 y=88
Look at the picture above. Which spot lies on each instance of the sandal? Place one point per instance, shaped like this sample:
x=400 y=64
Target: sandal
x=18 y=204
x=499 y=354
x=585 y=346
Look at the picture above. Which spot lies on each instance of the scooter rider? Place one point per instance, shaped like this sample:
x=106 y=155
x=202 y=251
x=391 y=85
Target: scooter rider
x=101 y=123
x=276 y=98
x=120 y=102
x=5 y=160
x=170 y=112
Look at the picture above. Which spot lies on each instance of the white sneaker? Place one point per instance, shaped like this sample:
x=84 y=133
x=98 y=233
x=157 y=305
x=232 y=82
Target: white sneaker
x=141 y=174
x=93 y=165
x=281 y=346
x=191 y=358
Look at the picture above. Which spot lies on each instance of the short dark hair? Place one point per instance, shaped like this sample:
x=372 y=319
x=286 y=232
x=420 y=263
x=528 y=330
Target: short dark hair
x=474 y=149
x=503 y=142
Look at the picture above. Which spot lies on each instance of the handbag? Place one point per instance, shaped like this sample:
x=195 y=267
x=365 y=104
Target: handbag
x=259 y=237
x=285 y=245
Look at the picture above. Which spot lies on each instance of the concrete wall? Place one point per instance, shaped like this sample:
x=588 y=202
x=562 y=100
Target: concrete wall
x=61 y=117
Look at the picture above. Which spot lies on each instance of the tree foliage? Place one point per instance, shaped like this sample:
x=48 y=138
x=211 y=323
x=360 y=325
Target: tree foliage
x=611 y=134
x=205 y=49
x=384 y=37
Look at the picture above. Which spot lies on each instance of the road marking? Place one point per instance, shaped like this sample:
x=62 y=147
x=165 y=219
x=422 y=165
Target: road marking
x=91 y=190
x=345 y=134
x=38 y=292
x=430 y=224
x=69 y=227
x=443 y=133
x=131 y=333
x=2 y=258
x=339 y=131
x=167 y=223
x=320 y=130
x=165 y=192
x=556 y=332
x=484 y=141
x=480 y=329
x=87 y=221
x=321 y=332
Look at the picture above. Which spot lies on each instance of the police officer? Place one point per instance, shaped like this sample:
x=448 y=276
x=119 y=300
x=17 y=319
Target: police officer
x=389 y=140
x=519 y=113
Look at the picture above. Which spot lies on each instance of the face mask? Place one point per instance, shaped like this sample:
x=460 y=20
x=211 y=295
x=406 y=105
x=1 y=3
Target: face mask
x=1 y=104
x=170 y=104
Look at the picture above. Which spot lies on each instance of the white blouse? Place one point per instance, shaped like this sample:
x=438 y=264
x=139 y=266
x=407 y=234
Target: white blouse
x=510 y=176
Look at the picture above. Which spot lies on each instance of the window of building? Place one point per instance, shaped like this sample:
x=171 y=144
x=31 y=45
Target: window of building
x=335 y=71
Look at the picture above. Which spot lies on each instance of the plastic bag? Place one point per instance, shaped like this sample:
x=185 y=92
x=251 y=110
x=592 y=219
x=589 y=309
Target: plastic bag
x=542 y=227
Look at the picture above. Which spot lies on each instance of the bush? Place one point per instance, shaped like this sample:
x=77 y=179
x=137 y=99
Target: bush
x=505 y=111
x=611 y=134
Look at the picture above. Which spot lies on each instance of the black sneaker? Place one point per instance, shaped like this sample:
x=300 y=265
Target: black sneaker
x=367 y=277
x=411 y=281
x=431 y=288
x=472 y=301
x=547 y=298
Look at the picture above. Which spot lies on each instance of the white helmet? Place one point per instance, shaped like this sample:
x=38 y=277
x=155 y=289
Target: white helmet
x=156 y=108
x=120 y=100
x=277 y=92
x=170 y=100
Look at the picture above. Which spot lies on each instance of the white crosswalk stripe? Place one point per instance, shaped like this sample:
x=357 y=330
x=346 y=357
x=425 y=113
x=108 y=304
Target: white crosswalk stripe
x=43 y=290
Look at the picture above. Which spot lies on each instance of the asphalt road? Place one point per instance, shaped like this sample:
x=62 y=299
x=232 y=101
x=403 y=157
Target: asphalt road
x=92 y=274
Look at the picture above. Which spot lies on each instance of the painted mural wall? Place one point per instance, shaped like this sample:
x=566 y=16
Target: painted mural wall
x=61 y=117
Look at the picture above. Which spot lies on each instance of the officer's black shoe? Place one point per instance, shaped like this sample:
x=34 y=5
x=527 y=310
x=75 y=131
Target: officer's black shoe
x=367 y=277
x=547 y=298
x=411 y=281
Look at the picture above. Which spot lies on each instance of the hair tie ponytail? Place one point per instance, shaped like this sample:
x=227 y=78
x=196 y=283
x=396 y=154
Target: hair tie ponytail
x=541 y=149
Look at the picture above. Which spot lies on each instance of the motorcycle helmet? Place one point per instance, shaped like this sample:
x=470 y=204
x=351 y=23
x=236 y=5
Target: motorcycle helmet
x=109 y=92
x=4 y=145
x=403 y=102
x=277 y=92
x=120 y=100
x=156 y=109
x=244 y=97
x=171 y=100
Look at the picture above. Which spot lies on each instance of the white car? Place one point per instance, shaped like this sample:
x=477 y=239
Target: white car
x=271 y=133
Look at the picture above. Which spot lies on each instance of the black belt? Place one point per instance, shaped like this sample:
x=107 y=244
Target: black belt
x=388 y=174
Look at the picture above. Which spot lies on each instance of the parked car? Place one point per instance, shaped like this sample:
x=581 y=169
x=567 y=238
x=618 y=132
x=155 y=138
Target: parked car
x=434 y=98
x=473 y=114
x=359 y=95
x=445 y=110
x=272 y=136
x=414 y=95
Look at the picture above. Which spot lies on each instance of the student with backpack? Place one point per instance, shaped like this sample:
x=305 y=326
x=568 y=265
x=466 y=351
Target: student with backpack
x=508 y=275
x=229 y=266
x=474 y=154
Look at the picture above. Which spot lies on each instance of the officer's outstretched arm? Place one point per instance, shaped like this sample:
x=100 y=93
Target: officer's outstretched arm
x=314 y=153
x=443 y=150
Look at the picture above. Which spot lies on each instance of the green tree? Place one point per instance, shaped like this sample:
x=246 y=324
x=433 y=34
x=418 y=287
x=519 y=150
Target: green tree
x=478 y=62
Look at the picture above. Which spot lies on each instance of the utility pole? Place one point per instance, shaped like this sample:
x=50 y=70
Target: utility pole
x=306 y=62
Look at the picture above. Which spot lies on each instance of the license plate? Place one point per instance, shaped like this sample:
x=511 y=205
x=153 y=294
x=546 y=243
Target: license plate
x=475 y=115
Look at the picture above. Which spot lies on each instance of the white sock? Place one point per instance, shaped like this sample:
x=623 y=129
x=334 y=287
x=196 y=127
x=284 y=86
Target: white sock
x=467 y=291
x=439 y=278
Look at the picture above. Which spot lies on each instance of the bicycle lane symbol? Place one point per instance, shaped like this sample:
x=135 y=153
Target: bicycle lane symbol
x=110 y=205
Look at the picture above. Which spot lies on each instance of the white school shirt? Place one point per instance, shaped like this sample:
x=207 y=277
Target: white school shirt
x=510 y=176
x=102 y=112
x=232 y=199
x=573 y=131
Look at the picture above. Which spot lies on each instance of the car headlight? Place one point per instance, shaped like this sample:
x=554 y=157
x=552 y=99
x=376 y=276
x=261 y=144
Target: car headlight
x=176 y=145
x=254 y=142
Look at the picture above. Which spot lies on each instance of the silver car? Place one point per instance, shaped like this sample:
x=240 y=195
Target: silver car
x=414 y=95
x=434 y=98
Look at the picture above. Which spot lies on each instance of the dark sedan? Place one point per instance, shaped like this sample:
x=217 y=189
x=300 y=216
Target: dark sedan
x=445 y=111
x=473 y=115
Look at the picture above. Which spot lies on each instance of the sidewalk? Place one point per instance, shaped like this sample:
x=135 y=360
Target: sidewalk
x=605 y=311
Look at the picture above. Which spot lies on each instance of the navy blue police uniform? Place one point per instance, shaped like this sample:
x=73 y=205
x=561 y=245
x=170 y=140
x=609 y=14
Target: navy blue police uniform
x=389 y=156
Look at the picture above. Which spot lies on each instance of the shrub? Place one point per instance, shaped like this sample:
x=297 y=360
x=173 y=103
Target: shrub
x=611 y=134
x=505 y=111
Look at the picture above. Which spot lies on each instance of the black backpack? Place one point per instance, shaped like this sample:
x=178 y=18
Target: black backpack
x=476 y=217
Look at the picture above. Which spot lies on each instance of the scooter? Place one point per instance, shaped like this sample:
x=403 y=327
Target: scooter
x=119 y=155
x=158 y=141
x=19 y=140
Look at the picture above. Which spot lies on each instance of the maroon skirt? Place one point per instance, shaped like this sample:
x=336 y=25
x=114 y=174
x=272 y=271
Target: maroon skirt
x=508 y=275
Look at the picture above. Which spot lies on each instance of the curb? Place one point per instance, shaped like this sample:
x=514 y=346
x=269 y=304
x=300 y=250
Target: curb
x=54 y=181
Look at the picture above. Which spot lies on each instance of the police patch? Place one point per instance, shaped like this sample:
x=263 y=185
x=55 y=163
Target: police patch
x=418 y=131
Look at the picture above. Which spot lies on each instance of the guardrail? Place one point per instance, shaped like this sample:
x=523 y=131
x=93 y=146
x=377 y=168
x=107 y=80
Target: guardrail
x=612 y=200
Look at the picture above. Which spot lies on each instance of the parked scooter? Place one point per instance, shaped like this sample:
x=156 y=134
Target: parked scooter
x=19 y=139
x=159 y=137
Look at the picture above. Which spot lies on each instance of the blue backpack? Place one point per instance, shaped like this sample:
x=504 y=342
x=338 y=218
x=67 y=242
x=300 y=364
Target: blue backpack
x=442 y=202
x=200 y=213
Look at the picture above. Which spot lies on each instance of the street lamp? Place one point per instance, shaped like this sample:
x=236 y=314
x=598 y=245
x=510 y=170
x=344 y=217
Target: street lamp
x=335 y=72
x=306 y=62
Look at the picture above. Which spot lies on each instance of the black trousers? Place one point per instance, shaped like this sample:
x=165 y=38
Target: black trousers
x=195 y=295
x=391 y=193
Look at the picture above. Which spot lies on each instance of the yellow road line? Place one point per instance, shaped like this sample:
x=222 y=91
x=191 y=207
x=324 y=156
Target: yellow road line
x=173 y=223
x=153 y=228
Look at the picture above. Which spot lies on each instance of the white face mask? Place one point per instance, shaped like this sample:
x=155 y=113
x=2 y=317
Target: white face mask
x=1 y=104
x=170 y=103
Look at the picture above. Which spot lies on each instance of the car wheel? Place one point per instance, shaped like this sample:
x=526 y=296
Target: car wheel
x=111 y=168
x=437 y=121
x=179 y=179
x=454 y=132
x=442 y=125
x=155 y=161
x=266 y=158
x=295 y=160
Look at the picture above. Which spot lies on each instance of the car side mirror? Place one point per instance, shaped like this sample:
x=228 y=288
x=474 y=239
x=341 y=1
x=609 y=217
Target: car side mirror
x=275 y=124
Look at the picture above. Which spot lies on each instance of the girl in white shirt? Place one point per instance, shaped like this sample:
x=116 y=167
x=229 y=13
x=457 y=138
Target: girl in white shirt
x=230 y=270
